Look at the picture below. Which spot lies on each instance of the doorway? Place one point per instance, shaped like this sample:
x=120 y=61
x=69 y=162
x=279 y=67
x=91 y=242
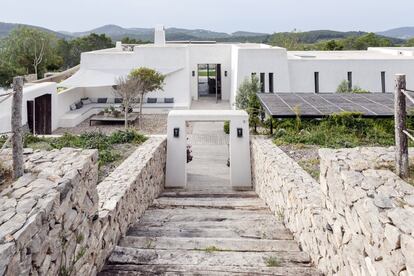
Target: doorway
x=209 y=81
x=42 y=121
x=209 y=168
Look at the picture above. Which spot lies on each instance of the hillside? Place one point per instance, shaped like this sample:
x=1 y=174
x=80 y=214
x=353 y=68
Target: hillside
x=401 y=33
x=6 y=28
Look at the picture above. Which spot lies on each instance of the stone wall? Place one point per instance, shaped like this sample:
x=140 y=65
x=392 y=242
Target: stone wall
x=57 y=220
x=356 y=221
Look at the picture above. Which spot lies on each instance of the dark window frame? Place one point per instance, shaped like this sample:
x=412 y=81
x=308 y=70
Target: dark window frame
x=262 y=82
x=350 y=84
x=271 y=83
x=383 y=82
x=316 y=81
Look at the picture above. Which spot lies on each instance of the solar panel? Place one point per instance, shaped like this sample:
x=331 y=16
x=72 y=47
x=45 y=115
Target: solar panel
x=286 y=105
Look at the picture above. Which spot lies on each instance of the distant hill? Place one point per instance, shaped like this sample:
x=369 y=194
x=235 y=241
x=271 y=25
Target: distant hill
x=6 y=28
x=401 y=33
x=147 y=34
x=174 y=34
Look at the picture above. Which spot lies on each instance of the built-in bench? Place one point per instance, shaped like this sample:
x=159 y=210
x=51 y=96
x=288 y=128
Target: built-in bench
x=92 y=106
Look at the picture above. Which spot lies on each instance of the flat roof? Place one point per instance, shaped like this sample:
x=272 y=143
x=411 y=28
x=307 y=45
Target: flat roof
x=343 y=55
x=311 y=105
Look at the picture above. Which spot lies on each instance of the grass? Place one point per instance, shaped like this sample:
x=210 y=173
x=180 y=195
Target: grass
x=92 y=140
x=342 y=130
x=212 y=249
x=203 y=73
x=272 y=262
x=310 y=165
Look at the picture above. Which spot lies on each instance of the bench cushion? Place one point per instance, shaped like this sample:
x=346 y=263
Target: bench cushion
x=151 y=100
x=168 y=100
x=102 y=100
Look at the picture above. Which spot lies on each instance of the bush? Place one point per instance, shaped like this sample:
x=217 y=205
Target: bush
x=339 y=130
x=226 y=127
x=91 y=140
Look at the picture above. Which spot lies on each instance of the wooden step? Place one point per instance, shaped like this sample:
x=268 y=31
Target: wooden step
x=135 y=256
x=177 y=193
x=211 y=202
x=134 y=270
x=229 y=244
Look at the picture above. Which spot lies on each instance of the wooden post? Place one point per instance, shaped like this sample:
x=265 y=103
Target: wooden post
x=401 y=140
x=16 y=124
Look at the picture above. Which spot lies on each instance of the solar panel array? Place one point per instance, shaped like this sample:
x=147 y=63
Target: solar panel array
x=286 y=105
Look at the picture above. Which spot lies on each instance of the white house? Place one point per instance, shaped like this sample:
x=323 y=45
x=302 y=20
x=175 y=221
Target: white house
x=207 y=69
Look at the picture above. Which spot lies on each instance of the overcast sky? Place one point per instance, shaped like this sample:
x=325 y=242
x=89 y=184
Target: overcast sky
x=217 y=15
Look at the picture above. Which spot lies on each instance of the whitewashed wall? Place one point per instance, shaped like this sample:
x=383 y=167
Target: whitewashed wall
x=211 y=54
x=29 y=93
x=366 y=73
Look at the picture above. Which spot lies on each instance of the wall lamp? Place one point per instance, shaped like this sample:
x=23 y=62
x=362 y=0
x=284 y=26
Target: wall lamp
x=239 y=132
x=225 y=73
x=176 y=132
x=193 y=73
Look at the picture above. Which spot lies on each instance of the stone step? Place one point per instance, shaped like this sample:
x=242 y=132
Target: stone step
x=211 y=202
x=134 y=270
x=135 y=256
x=228 y=244
x=176 y=193
x=222 y=232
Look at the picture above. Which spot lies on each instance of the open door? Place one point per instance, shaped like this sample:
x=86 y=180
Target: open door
x=30 y=115
x=43 y=114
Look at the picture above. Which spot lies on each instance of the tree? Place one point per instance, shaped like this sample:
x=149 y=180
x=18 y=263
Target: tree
x=127 y=88
x=343 y=87
x=71 y=50
x=290 y=41
x=247 y=99
x=128 y=40
x=333 y=45
x=147 y=80
x=31 y=49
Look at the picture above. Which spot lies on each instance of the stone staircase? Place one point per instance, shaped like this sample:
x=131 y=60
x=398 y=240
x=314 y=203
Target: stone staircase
x=195 y=233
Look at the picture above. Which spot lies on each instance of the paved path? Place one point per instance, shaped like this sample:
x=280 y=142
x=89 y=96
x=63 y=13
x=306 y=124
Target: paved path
x=208 y=229
x=186 y=233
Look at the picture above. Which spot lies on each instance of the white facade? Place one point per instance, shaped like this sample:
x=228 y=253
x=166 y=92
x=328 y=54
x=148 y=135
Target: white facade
x=30 y=92
x=280 y=71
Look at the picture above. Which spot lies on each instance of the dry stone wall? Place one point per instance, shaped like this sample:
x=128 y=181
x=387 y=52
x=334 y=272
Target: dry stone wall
x=357 y=221
x=57 y=220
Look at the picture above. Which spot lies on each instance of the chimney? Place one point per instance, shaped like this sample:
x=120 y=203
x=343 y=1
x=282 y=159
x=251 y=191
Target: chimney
x=159 y=37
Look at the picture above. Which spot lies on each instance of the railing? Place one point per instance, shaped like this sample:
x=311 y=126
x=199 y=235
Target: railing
x=402 y=133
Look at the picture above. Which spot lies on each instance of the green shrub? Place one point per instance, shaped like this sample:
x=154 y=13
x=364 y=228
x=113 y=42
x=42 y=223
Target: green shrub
x=340 y=130
x=126 y=136
x=226 y=127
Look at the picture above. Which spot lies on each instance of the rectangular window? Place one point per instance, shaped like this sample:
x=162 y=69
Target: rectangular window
x=383 y=88
x=271 y=88
x=262 y=82
x=350 y=81
x=316 y=82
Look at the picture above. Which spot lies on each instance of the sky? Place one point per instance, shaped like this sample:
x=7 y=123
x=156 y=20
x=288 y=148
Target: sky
x=217 y=15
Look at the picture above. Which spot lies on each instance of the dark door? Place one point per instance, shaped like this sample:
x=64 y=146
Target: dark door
x=218 y=82
x=43 y=114
x=30 y=114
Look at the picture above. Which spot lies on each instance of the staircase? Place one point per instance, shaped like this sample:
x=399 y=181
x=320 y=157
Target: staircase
x=201 y=233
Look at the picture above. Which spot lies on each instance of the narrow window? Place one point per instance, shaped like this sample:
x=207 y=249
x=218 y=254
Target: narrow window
x=383 y=82
x=271 y=88
x=350 y=81
x=262 y=82
x=316 y=82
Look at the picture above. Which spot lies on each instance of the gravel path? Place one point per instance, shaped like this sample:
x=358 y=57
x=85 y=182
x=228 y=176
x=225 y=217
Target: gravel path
x=152 y=124
x=306 y=156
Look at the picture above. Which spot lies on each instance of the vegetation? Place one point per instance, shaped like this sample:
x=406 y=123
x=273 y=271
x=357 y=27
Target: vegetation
x=272 y=262
x=342 y=130
x=145 y=80
x=344 y=87
x=330 y=41
x=226 y=127
x=247 y=100
x=92 y=140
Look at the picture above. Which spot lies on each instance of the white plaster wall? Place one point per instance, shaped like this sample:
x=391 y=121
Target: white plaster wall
x=65 y=99
x=365 y=73
x=211 y=54
x=240 y=170
x=168 y=57
x=29 y=93
x=264 y=60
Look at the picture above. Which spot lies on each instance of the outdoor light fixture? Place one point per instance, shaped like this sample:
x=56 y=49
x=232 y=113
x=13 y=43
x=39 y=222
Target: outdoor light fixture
x=193 y=73
x=176 y=132
x=225 y=73
x=239 y=132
